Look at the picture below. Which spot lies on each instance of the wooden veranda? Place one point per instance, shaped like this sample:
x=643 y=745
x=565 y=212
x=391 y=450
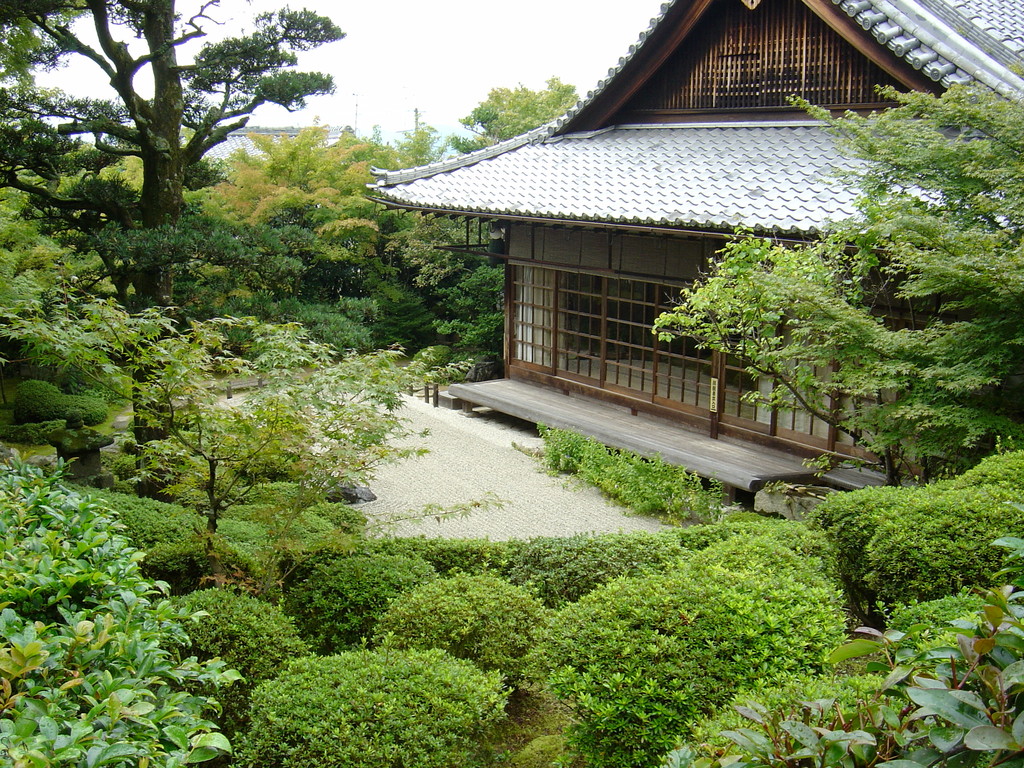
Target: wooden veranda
x=736 y=465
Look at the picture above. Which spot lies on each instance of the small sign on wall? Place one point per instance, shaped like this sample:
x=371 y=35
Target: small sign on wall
x=714 y=395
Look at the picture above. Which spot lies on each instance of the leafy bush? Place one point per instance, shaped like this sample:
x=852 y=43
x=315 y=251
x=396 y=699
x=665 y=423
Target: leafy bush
x=336 y=600
x=765 y=553
x=89 y=677
x=560 y=570
x=935 y=613
x=785 y=695
x=450 y=556
x=954 y=705
x=1004 y=469
x=37 y=401
x=483 y=619
x=149 y=522
x=34 y=433
x=366 y=709
x=640 y=659
x=646 y=486
x=904 y=544
x=252 y=636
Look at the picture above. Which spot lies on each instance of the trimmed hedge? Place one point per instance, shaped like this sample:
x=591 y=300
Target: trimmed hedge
x=640 y=659
x=562 y=570
x=936 y=613
x=35 y=433
x=336 y=600
x=250 y=635
x=36 y=401
x=149 y=522
x=482 y=619
x=367 y=709
x=899 y=545
x=449 y=556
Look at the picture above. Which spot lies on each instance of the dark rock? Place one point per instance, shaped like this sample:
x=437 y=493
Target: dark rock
x=485 y=370
x=351 y=494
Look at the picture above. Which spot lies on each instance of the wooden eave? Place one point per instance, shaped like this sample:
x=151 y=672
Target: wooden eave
x=677 y=24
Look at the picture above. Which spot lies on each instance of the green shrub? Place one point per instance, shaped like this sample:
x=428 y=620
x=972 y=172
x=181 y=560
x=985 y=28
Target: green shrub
x=764 y=553
x=250 y=635
x=336 y=600
x=149 y=522
x=797 y=536
x=640 y=659
x=42 y=401
x=787 y=695
x=34 y=433
x=646 y=486
x=483 y=619
x=87 y=644
x=935 y=613
x=1004 y=469
x=560 y=570
x=449 y=556
x=184 y=565
x=367 y=709
x=898 y=545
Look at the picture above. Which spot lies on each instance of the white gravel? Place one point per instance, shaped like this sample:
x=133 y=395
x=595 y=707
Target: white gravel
x=472 y=459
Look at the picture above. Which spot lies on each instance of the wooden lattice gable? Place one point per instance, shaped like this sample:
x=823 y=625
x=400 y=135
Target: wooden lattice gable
x=748 y=56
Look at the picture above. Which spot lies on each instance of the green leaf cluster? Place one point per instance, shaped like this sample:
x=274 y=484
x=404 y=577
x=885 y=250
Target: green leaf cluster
x=89 y=673
x=483 y=619
x=898 y=545
x=338 y=599
x=648 y=486
x=640 y=659
x=364 y=709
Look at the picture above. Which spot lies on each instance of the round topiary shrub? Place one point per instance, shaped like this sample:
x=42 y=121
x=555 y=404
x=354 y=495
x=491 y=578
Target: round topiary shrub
x=480 y=618
x=640 y=659
x=36 y=400
x=336 y=600
x=250 y=635
x=366 y=709
x=899 y=545
x=561 y=570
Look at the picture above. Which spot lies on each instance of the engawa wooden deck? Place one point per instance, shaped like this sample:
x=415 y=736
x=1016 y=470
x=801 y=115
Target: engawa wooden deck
x=734 y=464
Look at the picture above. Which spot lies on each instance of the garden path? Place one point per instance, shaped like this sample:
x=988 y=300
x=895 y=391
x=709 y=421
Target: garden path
x=471 y=459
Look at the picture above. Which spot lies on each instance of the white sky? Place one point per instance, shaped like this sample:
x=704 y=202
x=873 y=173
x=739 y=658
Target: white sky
x=440 y=56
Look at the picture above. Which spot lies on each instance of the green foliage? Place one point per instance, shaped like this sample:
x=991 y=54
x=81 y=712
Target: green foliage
x=36 y=433
x=37 y=401
x=948 y=705
x=250 y=635
x=337 y=600
x=483 y=619
x=787 y=695
x=149 y=522
x=365 y=709
x=935 y=613
x=1002 y=469
x=646 y=486
x=640 y=659
x=508 y=112
x=561 y=570
x=88 y=669
x=473 y=309
x=449 y=557
x=920 y=543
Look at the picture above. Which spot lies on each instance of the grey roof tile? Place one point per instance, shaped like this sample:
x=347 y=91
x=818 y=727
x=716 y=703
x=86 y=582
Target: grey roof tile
x=773 y=177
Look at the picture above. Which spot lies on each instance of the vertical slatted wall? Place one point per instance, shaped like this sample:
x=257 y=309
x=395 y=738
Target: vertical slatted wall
x=743 y=59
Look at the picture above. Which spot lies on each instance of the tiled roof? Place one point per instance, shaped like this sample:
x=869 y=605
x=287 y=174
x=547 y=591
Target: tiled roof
x=769 y=177
x=773 y=177
x=950 y=41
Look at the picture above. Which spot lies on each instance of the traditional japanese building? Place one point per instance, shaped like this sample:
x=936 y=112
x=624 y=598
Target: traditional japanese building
x=601 y=216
